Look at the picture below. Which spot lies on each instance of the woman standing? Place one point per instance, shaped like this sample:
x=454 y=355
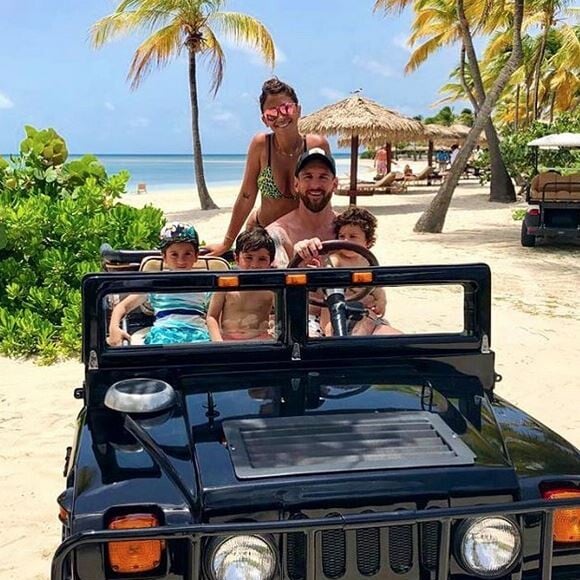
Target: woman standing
x=270 y=163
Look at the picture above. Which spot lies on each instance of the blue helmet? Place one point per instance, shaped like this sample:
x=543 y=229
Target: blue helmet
x=173 y=233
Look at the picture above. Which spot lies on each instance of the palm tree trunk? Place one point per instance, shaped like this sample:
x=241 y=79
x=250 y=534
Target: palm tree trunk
x=527 y=103
x=552 y=103
x=501 y=186
x=540 y=58
x=517 y=110
x=433 y=219
x=205 y=199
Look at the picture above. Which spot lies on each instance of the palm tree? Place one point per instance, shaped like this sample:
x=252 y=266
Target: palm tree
x=438 y=23
x=177 y=26
x=433 y=218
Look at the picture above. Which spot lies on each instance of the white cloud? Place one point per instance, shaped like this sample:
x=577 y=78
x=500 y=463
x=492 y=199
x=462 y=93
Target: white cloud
x=109 y=106
x=400 y=40
x=254 y=57
x=332 y=94
x=373 y=66
x=5 y=102
x=224 y=117
x=139 y=122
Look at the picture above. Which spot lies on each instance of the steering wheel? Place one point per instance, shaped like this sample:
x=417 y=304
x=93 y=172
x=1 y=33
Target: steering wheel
x=334 y=246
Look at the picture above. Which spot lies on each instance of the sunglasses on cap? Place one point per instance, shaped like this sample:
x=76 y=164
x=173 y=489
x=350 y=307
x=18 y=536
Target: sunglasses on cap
x=284 y=109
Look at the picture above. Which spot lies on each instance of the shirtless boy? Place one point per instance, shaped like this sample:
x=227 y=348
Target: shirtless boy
x=358 y=226
x=244 y=315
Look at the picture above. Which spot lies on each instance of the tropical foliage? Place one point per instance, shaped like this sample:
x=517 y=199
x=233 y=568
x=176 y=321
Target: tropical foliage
x=438 y=23
x=54 y=215
x=190 y=26
x=444 y=22
x=447 y=117
x=547 y=81
x=520 y=158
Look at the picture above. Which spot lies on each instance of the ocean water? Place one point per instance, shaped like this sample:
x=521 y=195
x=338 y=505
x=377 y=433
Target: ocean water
x=161 y=172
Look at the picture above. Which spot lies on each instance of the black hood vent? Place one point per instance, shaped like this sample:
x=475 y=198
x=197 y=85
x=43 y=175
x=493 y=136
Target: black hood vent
x=312 y=444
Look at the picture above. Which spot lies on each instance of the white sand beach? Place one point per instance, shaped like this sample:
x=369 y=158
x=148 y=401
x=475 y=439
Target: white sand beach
x=535 y=334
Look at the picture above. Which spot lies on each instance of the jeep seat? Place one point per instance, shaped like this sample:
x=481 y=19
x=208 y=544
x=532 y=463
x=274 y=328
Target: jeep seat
x=155 y=264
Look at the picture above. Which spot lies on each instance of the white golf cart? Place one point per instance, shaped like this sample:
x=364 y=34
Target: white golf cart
x=557 y=197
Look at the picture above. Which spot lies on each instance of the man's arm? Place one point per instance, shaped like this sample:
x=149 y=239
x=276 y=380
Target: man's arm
x=284 y=249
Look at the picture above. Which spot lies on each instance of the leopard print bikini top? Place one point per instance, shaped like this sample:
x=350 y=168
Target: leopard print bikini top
x=266 y=183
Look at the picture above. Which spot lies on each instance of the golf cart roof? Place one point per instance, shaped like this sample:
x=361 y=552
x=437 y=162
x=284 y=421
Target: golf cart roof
x=557 y=140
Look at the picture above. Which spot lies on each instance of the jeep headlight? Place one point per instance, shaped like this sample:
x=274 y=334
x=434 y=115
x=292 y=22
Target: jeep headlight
x=488 y=546
x=241 y=558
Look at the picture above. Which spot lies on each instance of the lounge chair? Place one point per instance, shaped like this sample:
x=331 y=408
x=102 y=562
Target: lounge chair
x=427 y=175
x=387 y=184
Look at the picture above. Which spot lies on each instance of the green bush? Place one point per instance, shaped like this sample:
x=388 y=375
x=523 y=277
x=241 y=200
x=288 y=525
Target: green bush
x=54 y=216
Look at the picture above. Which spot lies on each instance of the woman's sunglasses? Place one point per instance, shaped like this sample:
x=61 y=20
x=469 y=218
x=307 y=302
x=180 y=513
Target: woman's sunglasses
x=285 y=109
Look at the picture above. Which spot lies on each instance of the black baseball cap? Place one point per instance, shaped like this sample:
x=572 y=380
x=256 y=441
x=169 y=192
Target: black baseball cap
x=315 y=154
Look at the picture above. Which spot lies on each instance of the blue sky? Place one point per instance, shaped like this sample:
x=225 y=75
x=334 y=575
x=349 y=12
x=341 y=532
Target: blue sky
x=51 y=77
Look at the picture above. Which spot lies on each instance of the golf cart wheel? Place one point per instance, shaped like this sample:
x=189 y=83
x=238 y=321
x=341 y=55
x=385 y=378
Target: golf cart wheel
x=528 y=241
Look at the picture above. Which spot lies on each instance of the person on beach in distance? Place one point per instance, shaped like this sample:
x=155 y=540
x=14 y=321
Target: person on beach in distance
x=179 y=318
x=381 y=162
x=270 y=164
x=454 y=153
x=244 y=315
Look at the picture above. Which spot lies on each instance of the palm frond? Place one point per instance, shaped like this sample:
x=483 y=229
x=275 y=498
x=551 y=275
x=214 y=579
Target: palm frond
x=245 y=29
x=112 y=26
x=391 y=5
x=217 y=58
x=157 y=50
x=422 y=53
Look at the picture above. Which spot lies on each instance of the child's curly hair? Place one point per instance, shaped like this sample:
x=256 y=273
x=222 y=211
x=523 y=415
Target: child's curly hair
x=253 y=240
x=357 y=216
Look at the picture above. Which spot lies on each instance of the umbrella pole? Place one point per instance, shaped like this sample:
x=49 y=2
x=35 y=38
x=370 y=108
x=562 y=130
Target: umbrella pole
x=353 y=169
x=429 y=160
x=389 y=157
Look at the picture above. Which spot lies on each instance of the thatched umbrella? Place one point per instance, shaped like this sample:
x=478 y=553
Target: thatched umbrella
x=358 y=117
x=431 y=133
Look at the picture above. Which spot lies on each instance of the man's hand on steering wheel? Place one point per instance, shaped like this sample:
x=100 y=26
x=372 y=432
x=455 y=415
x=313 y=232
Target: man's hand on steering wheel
x=330 y=247
x=308 y=249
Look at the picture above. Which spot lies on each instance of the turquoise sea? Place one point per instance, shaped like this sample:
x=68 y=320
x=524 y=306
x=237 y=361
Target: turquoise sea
x=160 y=172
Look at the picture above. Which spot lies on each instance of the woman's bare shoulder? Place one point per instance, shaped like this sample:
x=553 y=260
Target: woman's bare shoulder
x=258 y=140
x=314 y=140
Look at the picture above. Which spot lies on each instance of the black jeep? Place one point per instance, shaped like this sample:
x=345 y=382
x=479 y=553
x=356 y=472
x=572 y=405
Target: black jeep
x=338 y=457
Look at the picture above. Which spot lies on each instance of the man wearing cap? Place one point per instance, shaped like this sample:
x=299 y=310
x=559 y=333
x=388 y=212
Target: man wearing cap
x=301 y=231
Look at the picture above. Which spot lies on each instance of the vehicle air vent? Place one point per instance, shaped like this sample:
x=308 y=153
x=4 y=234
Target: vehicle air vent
x=430 y=535
x=140 y=396
x=333 y=551
x=280 y=446
x=401 y=548
x=368 y=550
x=296 y=552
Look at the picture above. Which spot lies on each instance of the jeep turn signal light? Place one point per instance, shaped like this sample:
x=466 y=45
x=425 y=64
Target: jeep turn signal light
x=132 y=556
x=296 y=279
x=566 y=521
x=362 y=277
x=228 y=281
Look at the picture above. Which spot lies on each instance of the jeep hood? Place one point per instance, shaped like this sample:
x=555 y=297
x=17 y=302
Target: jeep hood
x=284 y=441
